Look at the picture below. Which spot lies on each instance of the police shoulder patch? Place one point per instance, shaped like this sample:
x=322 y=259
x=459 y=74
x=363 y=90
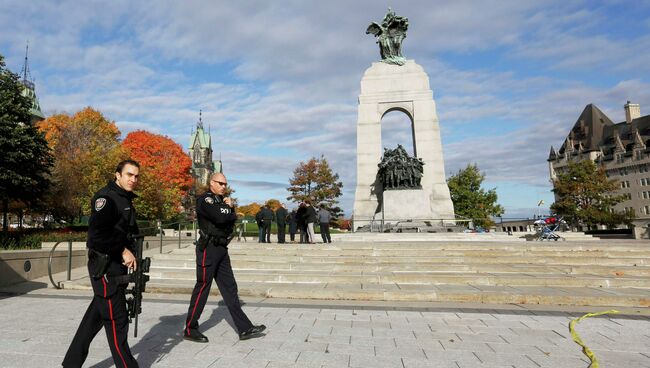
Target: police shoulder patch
x=209 y=200
x=100 y=203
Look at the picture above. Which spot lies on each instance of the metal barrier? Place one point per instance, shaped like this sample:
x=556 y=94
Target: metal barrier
x=49 y=263
x=157 y=230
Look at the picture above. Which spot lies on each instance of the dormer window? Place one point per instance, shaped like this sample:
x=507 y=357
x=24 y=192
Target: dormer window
x=619 y=158
x=638 y=154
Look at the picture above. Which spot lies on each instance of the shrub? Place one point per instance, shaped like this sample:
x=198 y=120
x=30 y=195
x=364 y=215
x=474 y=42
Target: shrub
x=32 y=238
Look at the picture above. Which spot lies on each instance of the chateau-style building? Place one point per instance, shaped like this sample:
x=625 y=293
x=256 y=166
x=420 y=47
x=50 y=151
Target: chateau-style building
x=623 y=149
x=201 y=154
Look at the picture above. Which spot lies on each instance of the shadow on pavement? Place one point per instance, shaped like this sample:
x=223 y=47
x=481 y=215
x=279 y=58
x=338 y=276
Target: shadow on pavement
x=21 y=288
x=163 y=337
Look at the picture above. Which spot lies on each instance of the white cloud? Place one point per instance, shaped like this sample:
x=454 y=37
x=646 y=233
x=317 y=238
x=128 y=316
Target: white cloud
x=278 y=81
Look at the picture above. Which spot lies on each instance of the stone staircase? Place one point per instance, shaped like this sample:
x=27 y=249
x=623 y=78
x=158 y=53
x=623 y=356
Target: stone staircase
x=455 y=236
x=560 y=273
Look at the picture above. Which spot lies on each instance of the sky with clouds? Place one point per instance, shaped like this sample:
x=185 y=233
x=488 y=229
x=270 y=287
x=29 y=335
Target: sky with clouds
x=278 y=81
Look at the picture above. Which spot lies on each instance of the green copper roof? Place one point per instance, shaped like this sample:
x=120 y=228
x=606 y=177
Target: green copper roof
x=203 y=138
x=35 y=108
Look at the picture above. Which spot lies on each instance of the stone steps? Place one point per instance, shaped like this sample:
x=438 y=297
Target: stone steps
x=575 y=273
x=341 y=260
x=422 y=278
x=238 y=265
x=432 y=293
x=372 y=248
x=450 y=236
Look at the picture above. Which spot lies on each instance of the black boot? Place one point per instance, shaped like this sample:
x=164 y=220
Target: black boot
x=194 y=336
x=253 y=332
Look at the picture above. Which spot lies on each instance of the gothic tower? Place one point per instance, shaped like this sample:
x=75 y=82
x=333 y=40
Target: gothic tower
x=29 y=91
x=201 y=154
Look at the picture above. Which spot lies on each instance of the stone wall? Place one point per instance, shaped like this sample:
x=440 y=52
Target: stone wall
x=23 y=265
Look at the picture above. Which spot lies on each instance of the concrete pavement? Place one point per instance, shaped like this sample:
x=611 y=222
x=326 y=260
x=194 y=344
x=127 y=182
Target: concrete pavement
x=38 y=324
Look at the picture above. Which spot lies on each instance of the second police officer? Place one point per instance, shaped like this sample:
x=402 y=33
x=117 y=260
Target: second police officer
x=216 y=217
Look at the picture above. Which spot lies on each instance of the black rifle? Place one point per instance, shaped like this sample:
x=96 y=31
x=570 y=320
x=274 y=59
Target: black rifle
x=139 y=279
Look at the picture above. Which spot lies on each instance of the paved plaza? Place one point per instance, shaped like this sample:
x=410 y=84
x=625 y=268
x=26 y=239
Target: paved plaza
x=38 y=325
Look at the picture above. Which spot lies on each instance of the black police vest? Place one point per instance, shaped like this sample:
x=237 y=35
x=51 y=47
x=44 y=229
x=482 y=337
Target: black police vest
x=219 y=233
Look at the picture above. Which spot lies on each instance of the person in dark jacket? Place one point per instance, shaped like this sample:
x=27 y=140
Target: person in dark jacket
x=110 y=255
x=311 y=218
x=260 y=226
x=267 y=221
x=293 y=225
x=281 y=216
x=216 y=217
x=301 y=217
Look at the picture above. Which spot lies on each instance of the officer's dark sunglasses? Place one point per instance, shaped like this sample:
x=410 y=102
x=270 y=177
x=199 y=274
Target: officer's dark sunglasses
x=220 y=182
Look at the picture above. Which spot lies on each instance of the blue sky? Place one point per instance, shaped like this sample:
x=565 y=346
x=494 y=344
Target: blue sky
x=278 y=81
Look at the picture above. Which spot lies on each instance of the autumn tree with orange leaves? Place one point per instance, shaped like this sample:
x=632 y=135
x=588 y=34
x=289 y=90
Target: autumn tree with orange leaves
x=314 y=180
x=86 y=149
x=249 y=209
x=164 y=174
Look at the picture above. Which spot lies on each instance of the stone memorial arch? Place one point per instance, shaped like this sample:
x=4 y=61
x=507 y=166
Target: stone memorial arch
x=398 y=84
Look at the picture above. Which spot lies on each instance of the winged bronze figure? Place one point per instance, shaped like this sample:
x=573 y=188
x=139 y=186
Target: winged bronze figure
x=390 y=34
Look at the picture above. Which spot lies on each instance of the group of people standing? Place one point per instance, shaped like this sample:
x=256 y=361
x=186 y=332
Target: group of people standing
x=300 y=220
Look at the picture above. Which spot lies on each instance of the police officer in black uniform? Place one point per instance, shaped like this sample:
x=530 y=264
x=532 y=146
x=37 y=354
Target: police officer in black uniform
x=216 y=218
x=110 y=255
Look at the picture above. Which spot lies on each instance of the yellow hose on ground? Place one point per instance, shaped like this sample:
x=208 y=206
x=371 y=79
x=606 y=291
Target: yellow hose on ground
x=585 y=350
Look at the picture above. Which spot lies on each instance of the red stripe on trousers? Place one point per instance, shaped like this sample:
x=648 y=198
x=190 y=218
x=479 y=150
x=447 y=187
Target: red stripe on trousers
x=110 y=313
x=200 y=292
x=110 y=309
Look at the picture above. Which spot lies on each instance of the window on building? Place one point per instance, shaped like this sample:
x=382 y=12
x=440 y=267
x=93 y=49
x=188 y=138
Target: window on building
x=639 y=155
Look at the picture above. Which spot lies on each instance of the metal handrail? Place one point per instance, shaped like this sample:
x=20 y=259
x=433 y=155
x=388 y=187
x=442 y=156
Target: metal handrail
x=49 y=263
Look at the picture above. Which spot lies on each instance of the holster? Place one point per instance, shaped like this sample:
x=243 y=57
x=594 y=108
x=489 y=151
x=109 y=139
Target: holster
x=203 y=241
x=98 y=263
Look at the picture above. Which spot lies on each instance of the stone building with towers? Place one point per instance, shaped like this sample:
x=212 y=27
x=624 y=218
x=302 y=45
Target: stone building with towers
x=29 y=91
x=201 y=154
x=623 y=149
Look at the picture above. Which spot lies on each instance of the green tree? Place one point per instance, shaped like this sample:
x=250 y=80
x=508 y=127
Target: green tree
x=25 y=158
x=584 y=195
x=315 y=180
x=472 y=201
